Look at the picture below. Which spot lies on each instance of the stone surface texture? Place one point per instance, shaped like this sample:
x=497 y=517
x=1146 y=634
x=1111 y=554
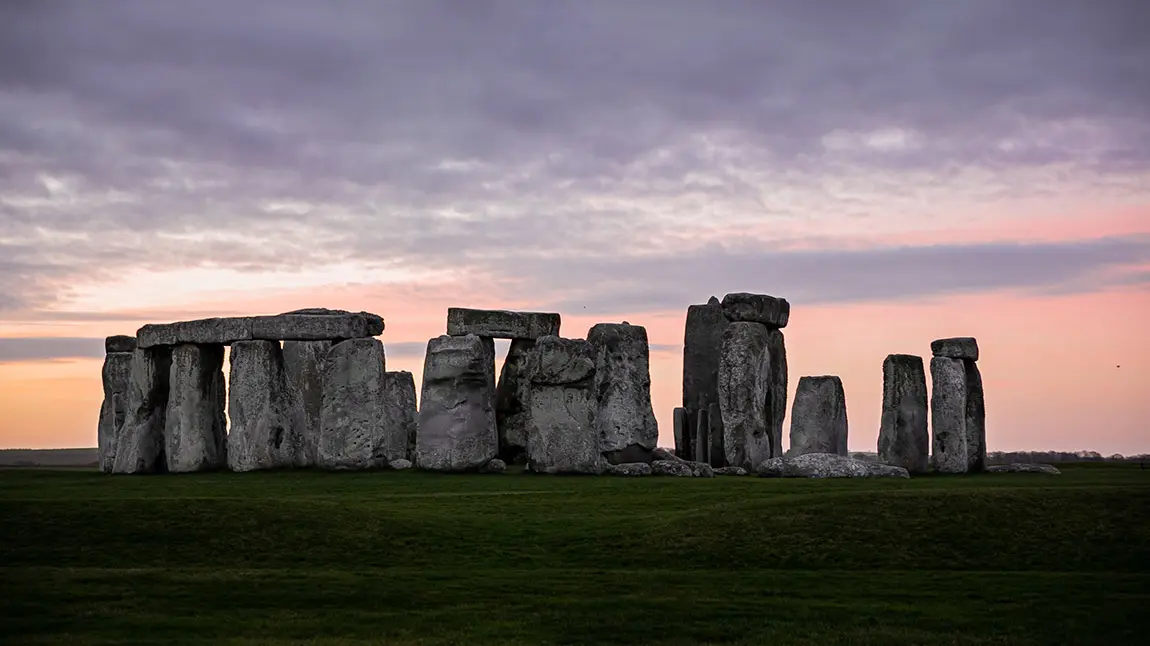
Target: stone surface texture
x=903 y=438
x=353 y=431
x=679 y=422
x=140 y=444
x=400 y=415
x=671 y=468
x=628 y=469
x=730 y=471
x=511 y=394
x=116 y=376
x=625 y=419
x=701 y=469
x=744 y=391
x=827 y=465
x=702 y=339
x=757 y=308
x=196 y=430
x=399 y=465
x=963 y=347
x=119 y=343
x=819 y=417
x=702 y=439
x=457 y=407
x=1019 y=467
x=267 y=427
x=975 y=418
x=303 y=367
x=303 y=325
x=948 y=415
x=494 y=465
x=501 y=324
x=562 y=436
x=777 y=413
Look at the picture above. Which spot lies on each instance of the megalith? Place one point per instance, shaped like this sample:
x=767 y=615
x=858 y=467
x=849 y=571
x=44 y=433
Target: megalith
x=679 y=421
x=352 y=423
x=116 y=377
x=400 y=413
x=457 y=406
x=744 y=392
x=562 y=436
x=511 y=395
x=778 y=385
x=819 y=417
x=961 y=347
x=701 y=343
x=140 y=445
x=267 y=429
x=948 y=415
x=903 y=439
x=303 y=368
x=702 y=439
x=975 y=418
x=770 y=311
x=195 y=432
x=628 y=431
x=501 y=324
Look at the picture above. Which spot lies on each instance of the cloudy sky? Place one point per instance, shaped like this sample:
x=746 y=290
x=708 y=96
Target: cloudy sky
x=899 y=170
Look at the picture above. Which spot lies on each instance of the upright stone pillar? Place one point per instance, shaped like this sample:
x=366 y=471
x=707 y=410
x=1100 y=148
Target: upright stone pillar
x=116 y=377
x=819 y=417
x=702 y=442
x=713 y=420
x=975 y=418
x=303 y=366
x=195 y=432
x=964 y=351
x=400 y=414
x=903 y=440
x=701 y=343
x=778 y=398
x=140 y=446
x=625 y=419
x=457 y=409
x=562 y=436
x=744 y=393
x=948 y=415
x=267 y=430
x=511 y=401
x=352 y=431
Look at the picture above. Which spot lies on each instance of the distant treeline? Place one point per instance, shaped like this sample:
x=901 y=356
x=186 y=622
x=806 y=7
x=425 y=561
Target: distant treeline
x=1009 y=457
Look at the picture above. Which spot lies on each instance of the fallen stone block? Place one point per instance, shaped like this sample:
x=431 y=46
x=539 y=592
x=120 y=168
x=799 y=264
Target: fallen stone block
x=494 y=465
x=196 y=430
x=827 y=465
x=625 y=420
x=501 y=324
x=757 y=308
x=266 y=425
x=1017 y=467
x=303 y=368
x=562 y=436
x=671 y=468
x=730 y=471
x=140 y=445
x=399 y=465
x=819 y=417
x=744 y=395
x=116 y=376
x=119 y=343
x=628 y=469
x=353 y=433
x=457 y=407
x=511 y=395
x=903 y=439
x=955 y=348
x=701 y=470
x=948 y=415
x=702 y=339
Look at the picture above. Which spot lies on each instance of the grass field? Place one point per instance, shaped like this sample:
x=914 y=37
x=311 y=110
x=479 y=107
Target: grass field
x=420 y=558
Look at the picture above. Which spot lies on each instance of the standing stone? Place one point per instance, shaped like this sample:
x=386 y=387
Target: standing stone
x=267 y=430
x=701 y=343
x=744 y=393
x=819 y=418
x=303 y=366
x=511 y=401
x=351 y=420
x=195 y=432
x=116 y=376
x=975 y=418
x=140 y=446
x=627 y=427
x=778 y=399
x=702 y=443
x=713 y=420
x=903 y=440
x=399 y=413
x=562 y=436
x=457 y=407
x=948 y=414
x=682 y=428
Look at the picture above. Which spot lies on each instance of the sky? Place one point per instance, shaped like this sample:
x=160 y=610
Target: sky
x=900 y=171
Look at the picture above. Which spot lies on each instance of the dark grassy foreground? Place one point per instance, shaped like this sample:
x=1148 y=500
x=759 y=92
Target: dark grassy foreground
x=417 y=558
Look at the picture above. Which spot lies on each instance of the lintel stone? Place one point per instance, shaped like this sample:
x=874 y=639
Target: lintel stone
x=501 y=324
x=306 y=325
x=964 y=347
x=771 y=311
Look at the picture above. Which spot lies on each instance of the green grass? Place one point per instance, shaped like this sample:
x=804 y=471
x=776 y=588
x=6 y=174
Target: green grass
x=419 y=558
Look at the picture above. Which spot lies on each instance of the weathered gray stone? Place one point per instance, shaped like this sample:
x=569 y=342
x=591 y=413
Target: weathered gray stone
x=353 y=431
x=494 y=465
x=948 y=415
x=778 y=385
x=679 y=421
x=562 y=436
x=744 y=391
x=660 y=453
x=303 y=367
x=626 y=422
x=400 y=415
x=399 y=465
x=903 y=439
x=196 y=430
x=116 y=376
x=757 y=308
x=819 y=417
x=975 y=418
x=963 y=347
x=140 y=445
x=1019 y=467
x=701 y=469
x=221 y=331
x=333 y=324
x=671 y=468
x=119 y=343
x=827 y=465
x=702 y=431
x=628 y=469
x=501 y=324
x=714 y=422
x=511 y=394
x=457 y=407
x=702 y=339
x=730 y=471
x=267 y=428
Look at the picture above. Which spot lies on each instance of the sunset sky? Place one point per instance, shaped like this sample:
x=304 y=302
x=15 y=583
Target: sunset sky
x=899 y=171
